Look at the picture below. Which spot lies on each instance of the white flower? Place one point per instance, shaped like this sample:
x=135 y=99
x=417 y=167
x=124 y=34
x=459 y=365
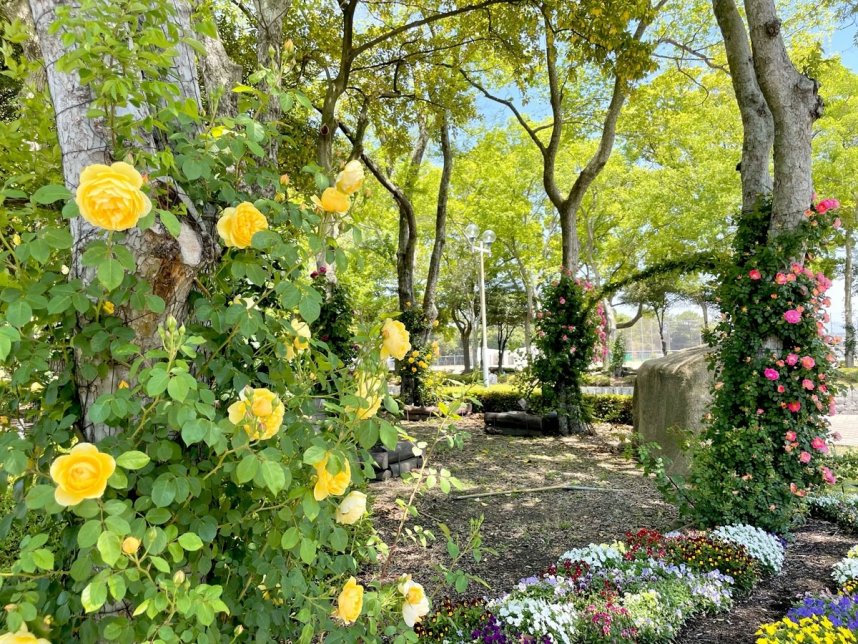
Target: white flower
x=761 y=545
x=416 y=604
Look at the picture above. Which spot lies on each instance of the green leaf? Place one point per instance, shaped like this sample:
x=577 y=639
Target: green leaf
x=272 y=474
x=190 y=542
x=8 y=335
x=157 y=383
x=171 y=222
x=389 y=436
x=246 y=469
x=309 y=308
x=19 y=313
x=39 y=496
x=58 y=238
x=133 y=460
x=43 y=558
x=192 y=169
x=290 y=538
x=164 y=490
x=314 y=454
x=50 y=194
x=178 y=388
x=110 y=273
x=308 y=551
x=94 y=596
x=110 y=547
x=88 y=534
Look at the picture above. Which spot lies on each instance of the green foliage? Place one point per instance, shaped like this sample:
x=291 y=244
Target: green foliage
x=336 y=317
x=762 y=449
x=618 y=355
x=414 y=368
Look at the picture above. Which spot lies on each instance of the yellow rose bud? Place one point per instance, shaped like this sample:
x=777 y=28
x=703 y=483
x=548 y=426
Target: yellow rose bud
x=332 y=201
x=301 y=341
x=350 y=179
x=130 y=545
x=259 y=411
x=351 y=508
x=416 y=604
x=81 y=474
x=110 y=197
x=238 y=225
x=108 y=307
x=288 y=45
x=368 y=389
x=179 y=577
x=395 y=339
x=350 y=602
x=328 y=484
x=284 y=179
x=22 y=636
x=16 y=239
x=279 y=197
x=123 y=384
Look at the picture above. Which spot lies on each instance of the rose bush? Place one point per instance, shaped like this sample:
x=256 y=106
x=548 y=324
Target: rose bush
x=180 y=470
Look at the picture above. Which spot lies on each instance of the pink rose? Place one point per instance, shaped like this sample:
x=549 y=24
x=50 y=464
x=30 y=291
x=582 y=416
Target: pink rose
x=781 y=389
x=808 y=363
x=563 y=300
x=792 y=359
x=792 y=316
x=771 y=374
x=796 y=268
x=780 y=278
x=804 y=457
x=837 y=223
x=819 y=445
x=807 y=383
x=794 y=406
x=755 y=274
x=828 y=476
x=790 y=436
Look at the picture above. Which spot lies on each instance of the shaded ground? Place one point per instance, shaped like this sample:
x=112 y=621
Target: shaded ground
x=807 y=568
x=529 y=531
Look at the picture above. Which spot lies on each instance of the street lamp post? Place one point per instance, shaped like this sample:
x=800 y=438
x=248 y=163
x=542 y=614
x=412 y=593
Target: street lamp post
x=482 y=244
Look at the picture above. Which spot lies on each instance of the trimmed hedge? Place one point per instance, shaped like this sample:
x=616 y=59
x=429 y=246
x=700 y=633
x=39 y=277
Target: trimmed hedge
x=609 y=408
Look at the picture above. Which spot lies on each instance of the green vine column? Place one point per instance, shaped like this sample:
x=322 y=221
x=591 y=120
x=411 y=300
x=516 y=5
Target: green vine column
x=773 y=362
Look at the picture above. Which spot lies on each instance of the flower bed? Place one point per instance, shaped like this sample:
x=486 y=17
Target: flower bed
x=841 y=509
x=641 y=589
x=824 y=618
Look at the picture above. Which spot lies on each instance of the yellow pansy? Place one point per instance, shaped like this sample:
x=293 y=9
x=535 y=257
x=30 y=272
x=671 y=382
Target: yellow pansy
x=351 y=508
x=416 y=604
x=301 y=341
x=350 y=179
x=350 y=602
x=259 y=411
x=332 y=201
x=22 y=636
x=238 y=225
x=328 y=484
x=110 y=197
x=395 y=339
x=81 y=474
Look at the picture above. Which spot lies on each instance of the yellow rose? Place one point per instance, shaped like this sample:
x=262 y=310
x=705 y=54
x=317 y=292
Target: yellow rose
x=350 y=179
x=81 y=474
x=351 y=508
x=23 y=636
x=332 y=201
x=238 y=225
x=328 y=484
x=350 y=602
x=108 y=307
x=416 y=604
x=130 y=545
x=284 y=179
x=259 y=411
x=395 y=339
x=368 y=389
x=110 y=197
x=301 y=341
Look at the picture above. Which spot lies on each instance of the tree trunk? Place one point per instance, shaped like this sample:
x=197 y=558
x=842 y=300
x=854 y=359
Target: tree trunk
x=757 y=125
x=169 y=264
x=430 y=309
x=704 y=309
x=848 y=286
x=660 y=318
x=528 y=318
x=465 y=338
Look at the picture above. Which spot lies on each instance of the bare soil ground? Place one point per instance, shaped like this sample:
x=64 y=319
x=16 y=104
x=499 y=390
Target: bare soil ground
x=529 y=531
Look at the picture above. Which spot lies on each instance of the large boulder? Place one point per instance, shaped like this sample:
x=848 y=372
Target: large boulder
x=672 y=395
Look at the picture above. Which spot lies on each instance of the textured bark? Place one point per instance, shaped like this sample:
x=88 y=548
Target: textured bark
x=795 y=104
x=757 y=126
x=849 y=315
x=430 y=309
x=169 y=264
